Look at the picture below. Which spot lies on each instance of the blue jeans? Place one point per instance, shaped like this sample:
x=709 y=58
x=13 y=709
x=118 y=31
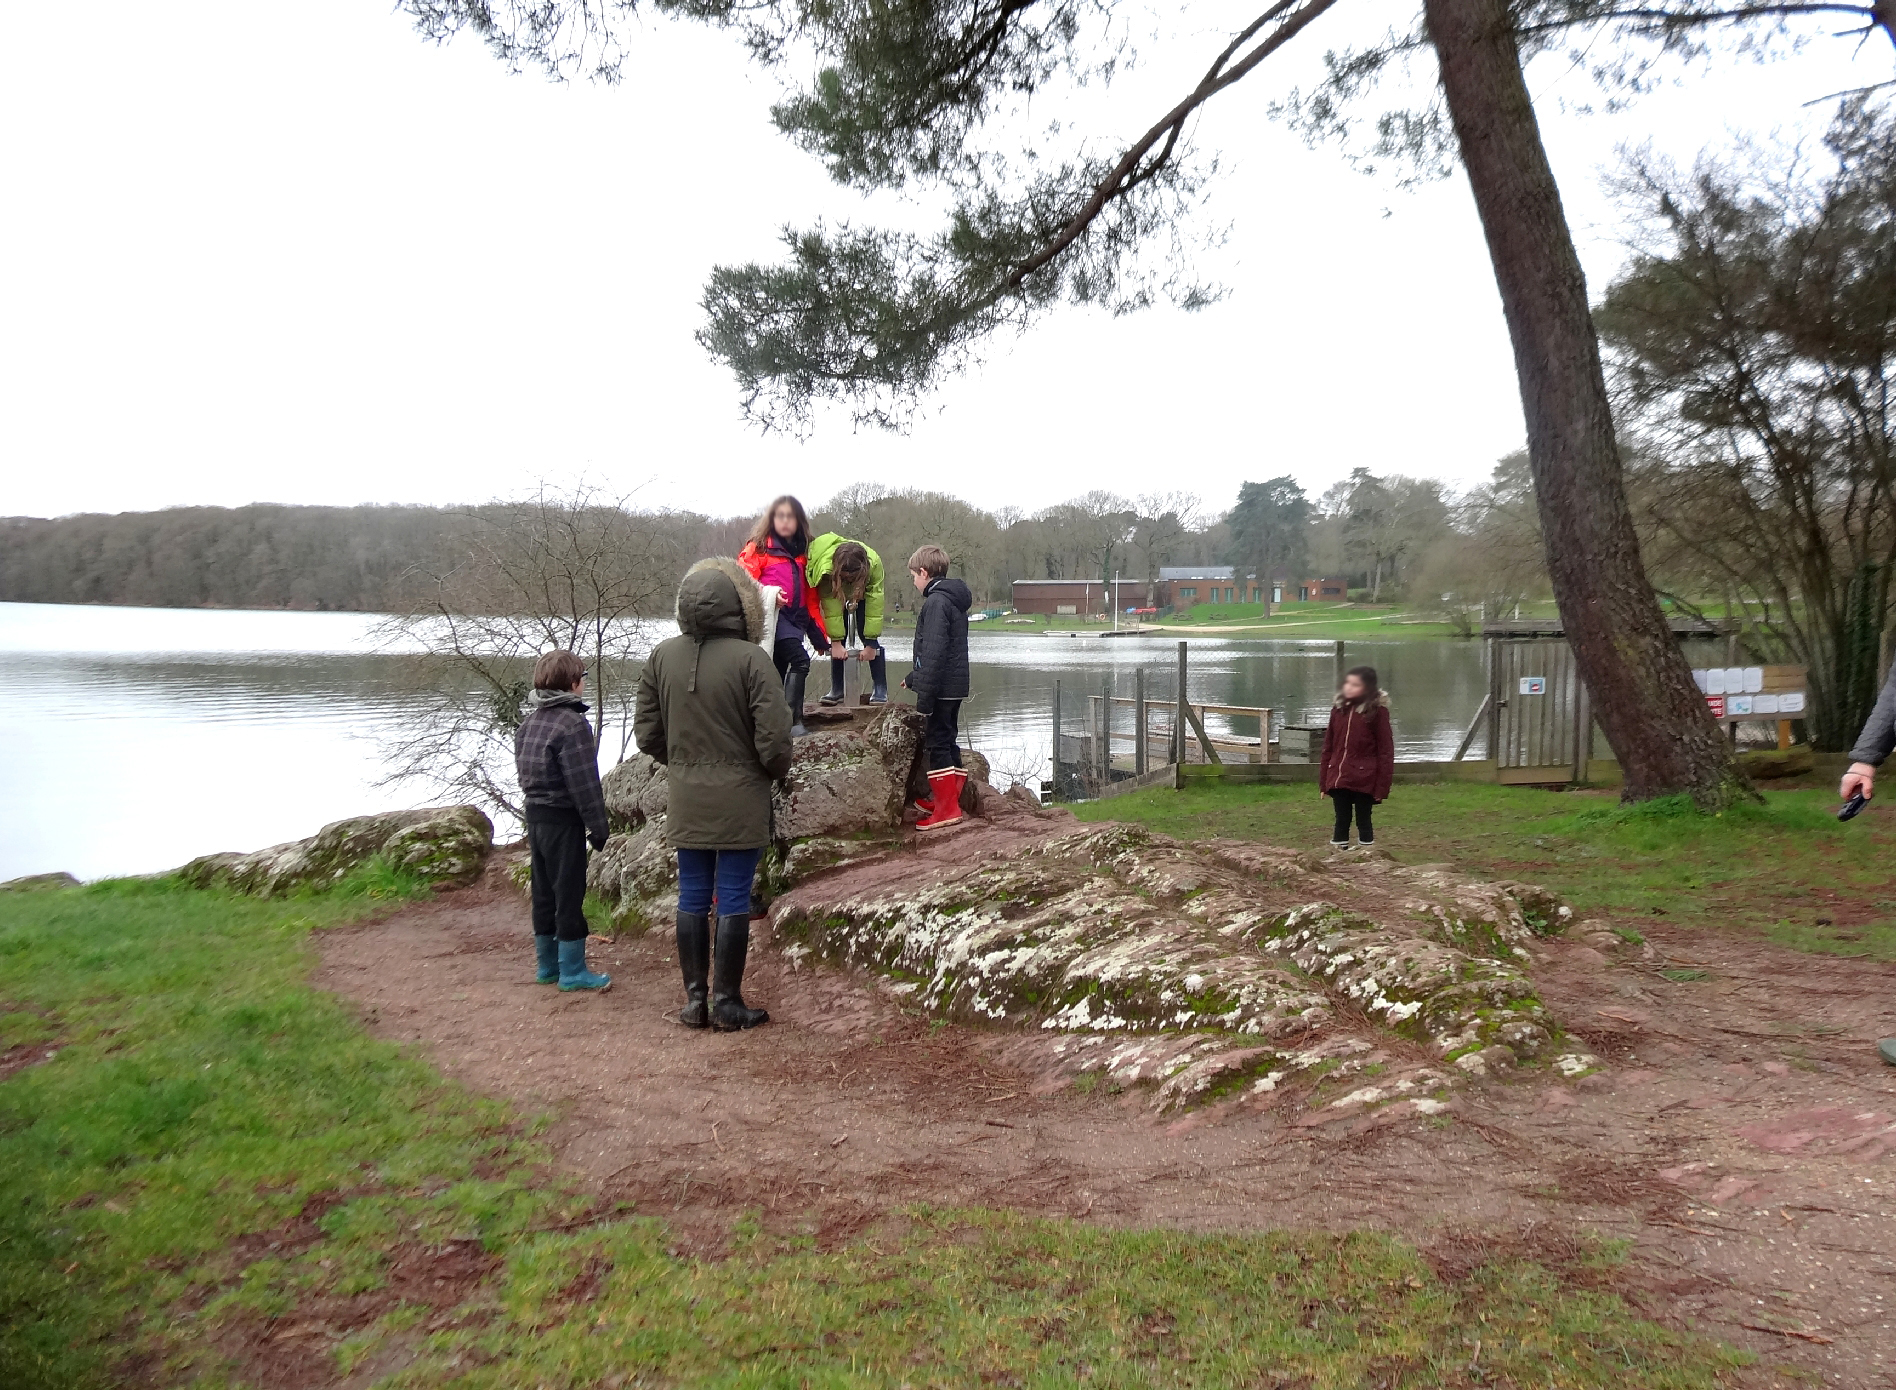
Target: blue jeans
x=727 y=873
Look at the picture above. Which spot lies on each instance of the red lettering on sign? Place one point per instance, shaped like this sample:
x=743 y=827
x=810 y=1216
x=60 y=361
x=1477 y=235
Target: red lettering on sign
x=1716 y=703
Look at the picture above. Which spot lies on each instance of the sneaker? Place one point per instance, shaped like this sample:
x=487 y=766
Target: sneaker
x=1339 y=844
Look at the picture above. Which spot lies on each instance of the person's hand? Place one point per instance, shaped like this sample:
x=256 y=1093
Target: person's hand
x=597 y=839
x=1860 y=780
x=838 y=652
x=870 y=651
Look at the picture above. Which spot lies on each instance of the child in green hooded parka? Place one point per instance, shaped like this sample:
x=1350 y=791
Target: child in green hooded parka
x=847 y=578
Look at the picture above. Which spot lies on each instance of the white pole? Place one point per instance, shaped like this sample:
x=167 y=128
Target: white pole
x=1115 y=600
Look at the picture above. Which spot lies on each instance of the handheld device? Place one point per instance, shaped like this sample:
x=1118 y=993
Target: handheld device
x=1852 y=806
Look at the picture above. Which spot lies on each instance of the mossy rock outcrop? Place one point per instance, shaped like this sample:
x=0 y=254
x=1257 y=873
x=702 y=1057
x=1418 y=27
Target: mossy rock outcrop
x=441 y=845
x=842 y=802
x=39 y=883
x=1115 y=931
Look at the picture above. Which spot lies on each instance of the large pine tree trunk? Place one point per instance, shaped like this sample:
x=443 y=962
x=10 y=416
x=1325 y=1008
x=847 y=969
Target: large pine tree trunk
x=1643 y=695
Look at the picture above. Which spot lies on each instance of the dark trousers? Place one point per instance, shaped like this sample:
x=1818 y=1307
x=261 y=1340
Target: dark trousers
x=789 y=652
x=1359 y=802
x=559 y=878
x=725 y=874
x=943 y=728
x=878 y=671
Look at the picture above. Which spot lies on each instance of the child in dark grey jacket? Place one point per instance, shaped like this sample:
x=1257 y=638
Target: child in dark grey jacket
x=939 y=679
x=558 y=764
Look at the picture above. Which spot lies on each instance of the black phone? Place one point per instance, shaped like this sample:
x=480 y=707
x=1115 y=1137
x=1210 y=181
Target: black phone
x=1852 y=806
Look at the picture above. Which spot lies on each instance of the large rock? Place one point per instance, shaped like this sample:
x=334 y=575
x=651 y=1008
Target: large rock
x=1256 y=963
x=441 y=845
x=849 y=780
x=39 y=883
x=636 y=791
x=842 y=800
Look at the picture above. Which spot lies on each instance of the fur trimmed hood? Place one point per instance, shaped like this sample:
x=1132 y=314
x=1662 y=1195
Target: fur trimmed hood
x=1364 y=706
x=718 y=598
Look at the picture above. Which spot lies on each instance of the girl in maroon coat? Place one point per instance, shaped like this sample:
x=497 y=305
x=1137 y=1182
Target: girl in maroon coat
x=1359 y=755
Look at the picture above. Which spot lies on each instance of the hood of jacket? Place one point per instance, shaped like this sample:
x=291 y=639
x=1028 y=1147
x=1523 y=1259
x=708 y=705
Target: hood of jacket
x=1363 y=706
x=546 y=699
x=822 y=554
x=953 y=590
x=718 y=598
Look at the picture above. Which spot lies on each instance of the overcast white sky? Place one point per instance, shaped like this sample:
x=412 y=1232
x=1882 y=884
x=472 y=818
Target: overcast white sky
x=264 y=252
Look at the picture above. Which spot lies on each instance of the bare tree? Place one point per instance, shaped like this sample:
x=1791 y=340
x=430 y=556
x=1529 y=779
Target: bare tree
x=1163 y=520
x=576 y=570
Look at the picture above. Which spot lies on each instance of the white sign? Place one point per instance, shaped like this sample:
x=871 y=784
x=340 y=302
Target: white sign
x=1738 y=706
x=1791 y=702
x=1764 y=704
x=1714 y=682
x=1533 y=685
x=1754 y=679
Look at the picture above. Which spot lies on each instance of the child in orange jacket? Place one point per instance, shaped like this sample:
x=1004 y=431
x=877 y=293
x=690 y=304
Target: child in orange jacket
x=777 y=554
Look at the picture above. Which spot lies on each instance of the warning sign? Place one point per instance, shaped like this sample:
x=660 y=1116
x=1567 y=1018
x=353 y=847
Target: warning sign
x=1533 y=685
x=1717 y=705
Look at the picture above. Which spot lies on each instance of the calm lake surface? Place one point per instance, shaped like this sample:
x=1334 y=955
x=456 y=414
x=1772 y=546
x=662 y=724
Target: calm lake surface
x=139 y=738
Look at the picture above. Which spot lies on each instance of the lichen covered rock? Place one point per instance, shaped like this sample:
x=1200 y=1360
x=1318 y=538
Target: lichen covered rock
x=39 y=883
x=849 y=780
x=443 y=845
x=1223 y=966
x=841 y=803
x=636 y=791
x=1058 y=946
x=1413 y=984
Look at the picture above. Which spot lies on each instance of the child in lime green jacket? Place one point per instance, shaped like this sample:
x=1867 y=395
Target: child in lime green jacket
x=846 y=577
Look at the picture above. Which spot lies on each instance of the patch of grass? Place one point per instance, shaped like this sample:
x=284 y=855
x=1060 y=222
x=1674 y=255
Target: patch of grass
x=598 y=914
x=1785 y=867
x=219 y=1158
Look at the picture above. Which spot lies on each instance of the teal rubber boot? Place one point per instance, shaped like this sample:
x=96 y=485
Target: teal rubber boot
x=573 y=971
x=1886 y=1049
x=547 y=950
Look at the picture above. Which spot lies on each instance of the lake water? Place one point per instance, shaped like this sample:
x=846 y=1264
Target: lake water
x=139 y=738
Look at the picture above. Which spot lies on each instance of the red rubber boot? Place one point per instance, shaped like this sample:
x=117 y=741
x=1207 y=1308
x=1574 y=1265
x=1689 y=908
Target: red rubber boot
x=944 y=794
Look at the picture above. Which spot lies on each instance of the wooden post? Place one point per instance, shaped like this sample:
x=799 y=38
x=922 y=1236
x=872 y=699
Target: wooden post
x=1106 y=732
x=1481 y=712
x=1056 y=740
x=1582 y=725
x=1495 y=697
x=1139 y=728
x=1178 y=721
x=1340 y=666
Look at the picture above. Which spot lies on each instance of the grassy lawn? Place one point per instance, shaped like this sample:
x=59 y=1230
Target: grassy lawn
x=1309 y=621
x=1786 y=868
x=210 y=1174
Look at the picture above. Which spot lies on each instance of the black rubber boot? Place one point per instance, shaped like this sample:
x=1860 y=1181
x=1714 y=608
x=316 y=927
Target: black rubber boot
x=793 y=694
x=729 y=1013
x=694 y=959
x=836 y=692
x=879 y=675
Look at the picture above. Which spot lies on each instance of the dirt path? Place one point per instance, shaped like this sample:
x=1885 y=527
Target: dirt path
x=1739 y=1137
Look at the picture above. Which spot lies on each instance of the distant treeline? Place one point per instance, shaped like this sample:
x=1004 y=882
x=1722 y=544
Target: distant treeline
x=220 y=557
x=368 y=558
x=262 y=556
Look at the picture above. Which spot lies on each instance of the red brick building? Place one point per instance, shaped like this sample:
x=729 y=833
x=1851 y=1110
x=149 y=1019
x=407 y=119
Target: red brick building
x=1078 y=598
